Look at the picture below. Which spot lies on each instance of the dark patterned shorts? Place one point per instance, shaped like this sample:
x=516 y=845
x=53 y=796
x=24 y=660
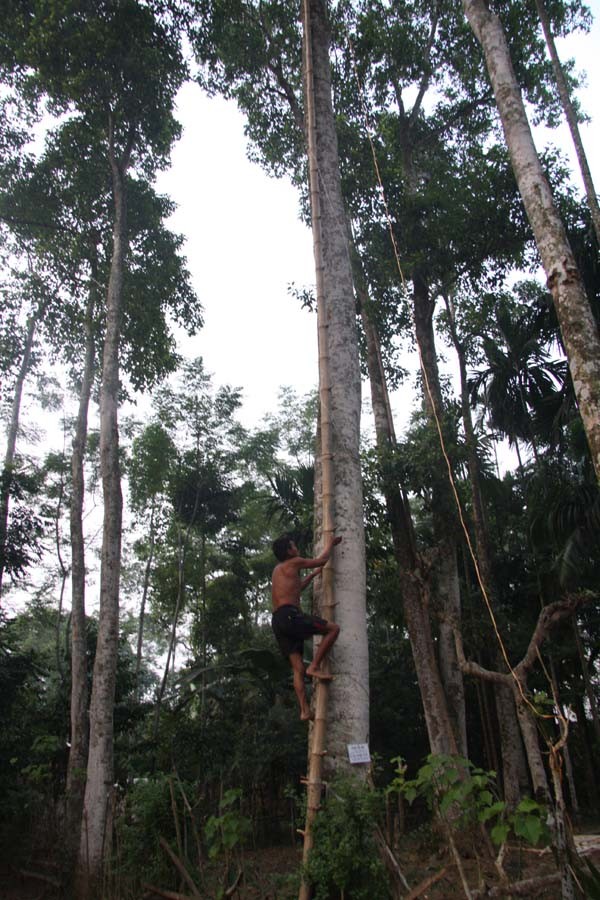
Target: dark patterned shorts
x=292 y=627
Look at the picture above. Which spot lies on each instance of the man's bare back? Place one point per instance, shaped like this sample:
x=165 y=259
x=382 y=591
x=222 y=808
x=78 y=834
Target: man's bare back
x=286 y=584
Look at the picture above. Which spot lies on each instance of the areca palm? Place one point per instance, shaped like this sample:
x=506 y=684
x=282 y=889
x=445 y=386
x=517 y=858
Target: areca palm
x=520 y=378
x=292 y=499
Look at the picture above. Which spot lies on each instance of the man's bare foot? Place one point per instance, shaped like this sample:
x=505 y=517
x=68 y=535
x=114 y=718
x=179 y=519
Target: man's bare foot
x=316 y=673
x=307 y=716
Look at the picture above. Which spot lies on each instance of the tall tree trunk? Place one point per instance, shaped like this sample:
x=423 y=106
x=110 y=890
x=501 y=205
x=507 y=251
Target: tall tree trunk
x=79 y=693
x=64 y=572
x=444 y=517
x=145 y=588
x=349 y=693
x=94 y=837
x=11 y=441
x=571 y=117
x=514 y=772
x=412 y=572
x=577 y=324
x=183 y=542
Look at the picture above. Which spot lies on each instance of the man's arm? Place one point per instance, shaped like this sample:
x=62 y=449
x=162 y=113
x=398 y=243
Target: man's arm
x=307 y=580
x=318 y=561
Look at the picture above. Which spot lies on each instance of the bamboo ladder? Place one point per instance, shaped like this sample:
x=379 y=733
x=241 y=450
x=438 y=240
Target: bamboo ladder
x=318 y=730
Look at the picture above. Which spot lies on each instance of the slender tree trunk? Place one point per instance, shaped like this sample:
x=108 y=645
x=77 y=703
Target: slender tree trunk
x=183 y=544
x=79 y=693
x=64 y=572
x=514 y=772
x=571 y=117
x=175 y=621
x=448 y=597
x=414 y=578
x=11 y=442
x=445 y=521
x=577 y=323
x=147 y=571
x=349 y=693
x=98 y=791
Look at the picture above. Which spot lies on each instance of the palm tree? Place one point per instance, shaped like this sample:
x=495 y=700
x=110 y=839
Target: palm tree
x=520 y=378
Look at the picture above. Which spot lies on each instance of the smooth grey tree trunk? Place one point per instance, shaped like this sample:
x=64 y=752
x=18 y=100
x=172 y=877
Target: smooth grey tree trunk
x=95 y=838
x=571 y=117
x=577 y=323
x=349 y=693
x=11 y=440
x=76 y=769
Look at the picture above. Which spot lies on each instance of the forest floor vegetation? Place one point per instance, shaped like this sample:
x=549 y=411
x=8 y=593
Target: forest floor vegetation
x=273 y=873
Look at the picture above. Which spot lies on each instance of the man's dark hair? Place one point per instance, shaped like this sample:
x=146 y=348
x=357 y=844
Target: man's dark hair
x=281 y=547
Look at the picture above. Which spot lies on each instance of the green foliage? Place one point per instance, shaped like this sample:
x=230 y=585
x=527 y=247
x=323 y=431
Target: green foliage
x=227 y=831
x=463 y=795
x=147 y=816
x=107 y=59
x=25 y=528
x=344 y=860
x=527 y=821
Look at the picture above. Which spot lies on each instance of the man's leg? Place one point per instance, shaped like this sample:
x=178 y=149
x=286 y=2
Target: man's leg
x=298 y=670
x=327 y=641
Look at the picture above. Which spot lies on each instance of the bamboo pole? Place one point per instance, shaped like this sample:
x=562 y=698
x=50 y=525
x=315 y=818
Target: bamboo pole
x=318 y=730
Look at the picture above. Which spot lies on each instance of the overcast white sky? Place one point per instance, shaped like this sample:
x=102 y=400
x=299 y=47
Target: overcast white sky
x=245 y=244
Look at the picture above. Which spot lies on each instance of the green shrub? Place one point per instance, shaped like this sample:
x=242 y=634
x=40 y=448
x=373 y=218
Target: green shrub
x=345 y=859
x=147 y=817
x=464 y=795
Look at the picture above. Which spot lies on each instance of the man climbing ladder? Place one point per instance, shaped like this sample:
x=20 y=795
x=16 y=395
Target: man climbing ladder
x=290 y=625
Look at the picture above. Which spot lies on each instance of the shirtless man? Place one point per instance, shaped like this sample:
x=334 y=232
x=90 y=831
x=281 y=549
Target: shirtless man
x=290 y=624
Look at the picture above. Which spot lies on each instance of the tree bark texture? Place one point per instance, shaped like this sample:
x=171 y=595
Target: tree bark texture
x=413 y=578
x=447 y=593
x=79 y=693
x=145 y=588
x=94 y=837
x=348 y=720
x=514 y=771
x=571 y=117
x=11 y=438
x=515 y=781
x=577 y=324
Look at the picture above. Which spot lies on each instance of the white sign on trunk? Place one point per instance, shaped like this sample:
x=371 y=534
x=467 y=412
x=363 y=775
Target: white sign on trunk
x=358 y=753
